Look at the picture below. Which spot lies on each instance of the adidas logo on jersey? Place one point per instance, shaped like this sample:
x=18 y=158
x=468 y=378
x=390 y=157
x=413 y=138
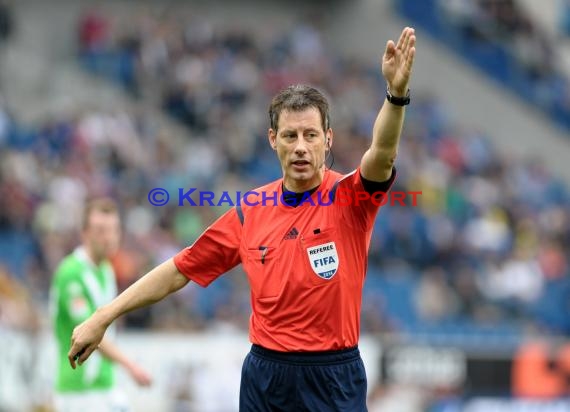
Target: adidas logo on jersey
x=292 y=234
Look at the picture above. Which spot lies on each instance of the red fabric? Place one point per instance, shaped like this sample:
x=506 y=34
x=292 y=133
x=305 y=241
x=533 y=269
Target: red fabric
x=294 y=309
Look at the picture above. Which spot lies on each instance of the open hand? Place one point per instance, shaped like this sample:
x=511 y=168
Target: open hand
x=398 y=60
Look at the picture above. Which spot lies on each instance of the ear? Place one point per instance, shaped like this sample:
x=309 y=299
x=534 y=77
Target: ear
x=328 y=139
x=272 y=137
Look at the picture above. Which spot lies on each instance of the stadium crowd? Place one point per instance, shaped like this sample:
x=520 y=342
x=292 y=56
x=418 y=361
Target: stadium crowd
x=504 y=21
x=487 y=244
x=504 y=39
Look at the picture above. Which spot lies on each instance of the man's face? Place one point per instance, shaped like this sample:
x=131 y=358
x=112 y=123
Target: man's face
x=102 y=234
x=300 y=143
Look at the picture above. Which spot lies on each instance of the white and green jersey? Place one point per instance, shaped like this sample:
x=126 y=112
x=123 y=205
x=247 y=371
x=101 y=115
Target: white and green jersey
x=78 y=288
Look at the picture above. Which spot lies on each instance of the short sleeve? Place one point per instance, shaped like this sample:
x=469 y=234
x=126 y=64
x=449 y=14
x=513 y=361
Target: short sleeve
x=359 y=206
x=374 y=187
x=214 y=253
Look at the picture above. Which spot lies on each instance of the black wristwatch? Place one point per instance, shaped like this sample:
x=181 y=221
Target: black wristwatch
x=398 y=101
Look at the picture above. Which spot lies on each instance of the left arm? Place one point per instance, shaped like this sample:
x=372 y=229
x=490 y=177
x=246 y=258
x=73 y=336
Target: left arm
x=113 y=353
x=397 y=62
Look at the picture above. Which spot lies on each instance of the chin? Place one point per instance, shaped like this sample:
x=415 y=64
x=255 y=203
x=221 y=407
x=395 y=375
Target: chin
x=308 y=175
x=302 y=177
x=109 y=253
x=112 y=253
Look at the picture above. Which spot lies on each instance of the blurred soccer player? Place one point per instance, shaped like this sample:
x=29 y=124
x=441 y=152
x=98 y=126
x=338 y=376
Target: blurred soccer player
x=83 y=282
x=305 y=264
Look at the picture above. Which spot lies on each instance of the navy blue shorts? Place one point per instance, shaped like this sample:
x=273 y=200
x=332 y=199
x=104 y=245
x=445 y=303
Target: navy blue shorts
x=317 y=382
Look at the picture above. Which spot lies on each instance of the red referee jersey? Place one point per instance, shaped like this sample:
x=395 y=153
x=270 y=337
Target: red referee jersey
x=306 y=264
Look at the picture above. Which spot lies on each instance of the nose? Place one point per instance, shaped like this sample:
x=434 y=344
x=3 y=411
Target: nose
x=301 y=147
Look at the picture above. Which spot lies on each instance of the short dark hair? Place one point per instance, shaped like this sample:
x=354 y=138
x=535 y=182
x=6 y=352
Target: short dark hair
x=299 y=97
x=104 y=205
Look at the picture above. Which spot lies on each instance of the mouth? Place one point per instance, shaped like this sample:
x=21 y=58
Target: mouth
x=300 y=163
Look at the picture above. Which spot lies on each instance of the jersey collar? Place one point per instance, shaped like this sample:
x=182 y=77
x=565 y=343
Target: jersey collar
x=313 y=193
x=81 y=253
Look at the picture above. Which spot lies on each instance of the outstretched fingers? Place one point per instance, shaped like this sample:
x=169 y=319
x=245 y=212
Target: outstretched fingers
x=390 y=49
x=409 y=39
x=410 y=50
x=402 y=38
x=410 y=59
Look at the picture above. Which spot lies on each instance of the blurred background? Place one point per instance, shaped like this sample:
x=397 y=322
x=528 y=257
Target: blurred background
x=467 y=300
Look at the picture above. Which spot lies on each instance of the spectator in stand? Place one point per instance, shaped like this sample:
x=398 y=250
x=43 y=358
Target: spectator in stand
x=564 y=7
x=6 y=21
x=94 y=31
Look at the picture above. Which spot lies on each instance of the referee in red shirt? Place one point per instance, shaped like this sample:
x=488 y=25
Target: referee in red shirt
x=304 y=250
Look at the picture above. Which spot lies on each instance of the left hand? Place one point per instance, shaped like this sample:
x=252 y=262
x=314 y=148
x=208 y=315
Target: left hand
x=139 y=375
x=398 y=60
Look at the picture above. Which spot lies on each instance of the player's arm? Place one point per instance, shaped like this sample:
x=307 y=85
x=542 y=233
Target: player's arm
x=152 y=287
x=112 y=352
x=378 y=161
